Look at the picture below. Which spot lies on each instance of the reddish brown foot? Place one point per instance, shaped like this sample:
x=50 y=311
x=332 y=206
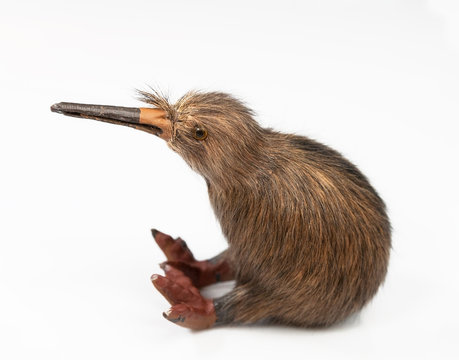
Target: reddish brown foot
x=189 y=309
x=174 y=249
x=180 y=257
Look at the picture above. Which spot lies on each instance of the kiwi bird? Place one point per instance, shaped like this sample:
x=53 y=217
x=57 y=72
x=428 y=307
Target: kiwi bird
x=308 y=236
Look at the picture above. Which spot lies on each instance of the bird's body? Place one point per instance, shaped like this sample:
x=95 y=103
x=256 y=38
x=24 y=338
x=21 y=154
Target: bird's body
x=308 y=236
x=306 y=232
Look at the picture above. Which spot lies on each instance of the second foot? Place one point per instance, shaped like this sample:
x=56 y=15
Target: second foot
x=189 y=308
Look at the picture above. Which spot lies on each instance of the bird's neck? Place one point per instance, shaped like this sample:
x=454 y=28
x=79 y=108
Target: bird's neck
x=242 y=168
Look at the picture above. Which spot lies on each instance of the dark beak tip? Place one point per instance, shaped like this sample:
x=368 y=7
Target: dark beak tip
x=152 y=122
x=56 y=108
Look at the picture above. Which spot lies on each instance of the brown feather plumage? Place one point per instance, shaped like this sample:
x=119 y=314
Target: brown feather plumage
x=308 y=236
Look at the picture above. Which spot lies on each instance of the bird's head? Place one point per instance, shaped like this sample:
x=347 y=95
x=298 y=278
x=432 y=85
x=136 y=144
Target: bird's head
x=213 y=132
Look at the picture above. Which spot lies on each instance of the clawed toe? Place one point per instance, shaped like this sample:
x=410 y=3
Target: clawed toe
x=175 y=292
x=176 y=274
x=189 y=308
x=190 y=317
x=191 y=271
x=183 y=276
x=174 y=249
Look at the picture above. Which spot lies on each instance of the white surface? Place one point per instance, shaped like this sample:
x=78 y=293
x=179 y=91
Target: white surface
x=377 y=80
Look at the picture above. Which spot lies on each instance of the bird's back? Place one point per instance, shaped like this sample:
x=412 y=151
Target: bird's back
x=308 y=228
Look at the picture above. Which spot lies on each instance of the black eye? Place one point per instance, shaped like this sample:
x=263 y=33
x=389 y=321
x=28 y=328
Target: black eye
x=199 y=133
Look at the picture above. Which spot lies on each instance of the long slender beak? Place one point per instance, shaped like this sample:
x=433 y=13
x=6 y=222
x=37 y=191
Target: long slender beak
x=150 y=120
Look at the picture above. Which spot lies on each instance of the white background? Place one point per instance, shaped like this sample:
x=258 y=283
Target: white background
x=377 y=80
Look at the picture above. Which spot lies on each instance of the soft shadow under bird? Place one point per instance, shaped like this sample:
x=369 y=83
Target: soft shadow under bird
x=308 y=236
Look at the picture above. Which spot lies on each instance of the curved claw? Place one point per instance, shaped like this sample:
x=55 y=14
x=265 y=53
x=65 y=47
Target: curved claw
x=189 y=308
x=190 y=317
x=174 y=249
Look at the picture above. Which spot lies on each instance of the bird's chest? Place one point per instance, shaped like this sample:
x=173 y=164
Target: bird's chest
x=231 y=209
x=236 y=210
x=244 y=220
